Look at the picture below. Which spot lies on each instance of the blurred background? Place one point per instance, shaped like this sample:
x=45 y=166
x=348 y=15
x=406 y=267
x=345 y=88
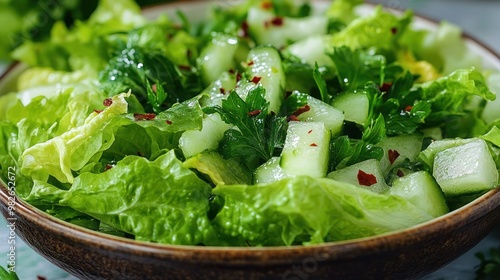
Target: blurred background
x=33 y=20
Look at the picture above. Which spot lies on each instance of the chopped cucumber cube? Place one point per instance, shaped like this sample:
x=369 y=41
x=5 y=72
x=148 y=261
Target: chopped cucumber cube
x=427 y=156
x=421 y=190
x=319 y=111
x=399 y=148
x=306 y=149
x=367 y=174
x=193 y=142
x=465 y=169
x=218 y=90
x=267 y=28
x=217 y=56
x=355 y=105
x=269 y=172
x=312 y=50
x=266 y=67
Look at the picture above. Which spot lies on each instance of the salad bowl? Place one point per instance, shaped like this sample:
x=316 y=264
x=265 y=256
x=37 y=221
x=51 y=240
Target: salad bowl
x=403 y=254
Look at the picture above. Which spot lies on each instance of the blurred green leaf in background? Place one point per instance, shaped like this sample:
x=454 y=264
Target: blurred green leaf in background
x=22 y=20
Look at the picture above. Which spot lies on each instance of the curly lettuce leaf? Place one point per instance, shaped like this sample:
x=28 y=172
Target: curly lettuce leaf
x=286 y=212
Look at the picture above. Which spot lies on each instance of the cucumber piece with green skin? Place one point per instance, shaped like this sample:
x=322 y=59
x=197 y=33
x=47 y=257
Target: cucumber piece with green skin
x=465 y=169
x=427 y=156
x=421 y=190
x=319 y=111
x=217 y=56
x=399 y=148
x=193 y=142
x=366 y=174
x=220 y=171
x=268 y=172
x=267 y=28
x=355 y=105
x=265 y=67
x=306 y=149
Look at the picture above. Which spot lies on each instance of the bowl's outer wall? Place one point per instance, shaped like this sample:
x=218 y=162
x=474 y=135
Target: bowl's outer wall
x=407 y=255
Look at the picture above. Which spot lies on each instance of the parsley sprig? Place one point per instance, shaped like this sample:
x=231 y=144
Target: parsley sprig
x=259 y=134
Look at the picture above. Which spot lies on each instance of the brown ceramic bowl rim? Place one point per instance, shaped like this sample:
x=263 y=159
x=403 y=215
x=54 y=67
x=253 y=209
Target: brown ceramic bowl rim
x=434 y=228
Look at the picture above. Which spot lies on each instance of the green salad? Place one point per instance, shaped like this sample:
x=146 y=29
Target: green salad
x=267 y=123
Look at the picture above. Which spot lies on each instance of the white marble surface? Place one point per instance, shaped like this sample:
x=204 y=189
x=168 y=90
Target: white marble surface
x=480 y=19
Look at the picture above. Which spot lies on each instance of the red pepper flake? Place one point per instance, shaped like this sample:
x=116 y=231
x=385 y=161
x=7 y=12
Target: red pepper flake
x=107 y=102
x=400 y=173
x=250 y=63
x=385 y=87
x=302 y=110
x=41 y=278
x=231 y=71
x=244 y=29
x=266 y=5
x=98 y=111
x=108 y=167
x=292 y=118
x=393 y=155
x=238 y=77
x=145 y=117
x=277 y=21
x=365 y=179
x=222 y=90
x=169 y=122
x=314 y=145
x=408 y=108
x=310 y=131
x=256 y=79
x=394 y=30
x=254 y=113
x=185 y=67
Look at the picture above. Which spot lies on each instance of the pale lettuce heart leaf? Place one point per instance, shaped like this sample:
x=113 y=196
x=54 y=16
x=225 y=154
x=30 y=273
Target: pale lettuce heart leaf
x=45 y=76
x=305 y=210
x=73 y=149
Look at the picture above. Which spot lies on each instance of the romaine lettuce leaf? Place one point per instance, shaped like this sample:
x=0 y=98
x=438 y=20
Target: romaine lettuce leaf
x=304 y=210
x=451 y=97
x=83 y=46
x=344 y=10
x=446 y=49
x=380 y=29
x=44 y=76
x=73 y=149
x=169 y=205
